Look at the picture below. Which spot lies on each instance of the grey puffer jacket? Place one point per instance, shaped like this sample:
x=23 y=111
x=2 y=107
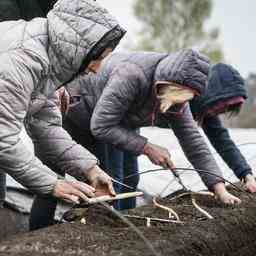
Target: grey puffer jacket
x=37 y=57
x=121 y=98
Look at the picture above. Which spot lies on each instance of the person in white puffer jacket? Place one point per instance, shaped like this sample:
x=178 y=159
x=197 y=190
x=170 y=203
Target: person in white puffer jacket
x=37 y=57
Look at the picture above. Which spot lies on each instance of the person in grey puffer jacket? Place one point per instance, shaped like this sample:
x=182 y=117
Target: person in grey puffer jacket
x=37 y=57
x=126 y=95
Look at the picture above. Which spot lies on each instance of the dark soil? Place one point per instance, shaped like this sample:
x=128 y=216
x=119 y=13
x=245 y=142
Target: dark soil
x=12 y=223
x=231 y=232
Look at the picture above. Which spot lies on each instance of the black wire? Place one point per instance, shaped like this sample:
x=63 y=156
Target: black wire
x=145 y=172
x=164 y=169
x=184 y=170
x=177 y=169
x=216 y=152
x=196 y=170
x=187 y=169
x=126 y=221
x=190 y=169
x=133 y=227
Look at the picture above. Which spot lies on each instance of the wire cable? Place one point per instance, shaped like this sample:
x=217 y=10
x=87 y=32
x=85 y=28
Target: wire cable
x=133 y=227
x=186 y=169
x=214 y=153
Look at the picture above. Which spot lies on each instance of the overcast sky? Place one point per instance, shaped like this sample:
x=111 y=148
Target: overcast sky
x=236 y=20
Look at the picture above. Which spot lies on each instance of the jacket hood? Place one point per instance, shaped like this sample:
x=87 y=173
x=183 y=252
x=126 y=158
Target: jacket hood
x=79 y=31
x=224 y=83
x=187 y=67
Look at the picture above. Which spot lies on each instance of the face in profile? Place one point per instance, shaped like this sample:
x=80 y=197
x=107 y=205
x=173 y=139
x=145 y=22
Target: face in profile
x=94 y=65
x=172 y=96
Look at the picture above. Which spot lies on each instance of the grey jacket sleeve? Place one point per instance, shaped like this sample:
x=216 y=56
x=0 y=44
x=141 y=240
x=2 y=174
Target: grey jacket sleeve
x=195 y=147
x=119 y=94
x=17 y=81
x=54 y=145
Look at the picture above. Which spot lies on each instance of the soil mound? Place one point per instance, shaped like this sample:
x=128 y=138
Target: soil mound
x=230 y=232
x=12 y=222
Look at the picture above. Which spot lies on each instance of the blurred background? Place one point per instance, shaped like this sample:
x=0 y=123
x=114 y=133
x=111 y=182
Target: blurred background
x=224 y=30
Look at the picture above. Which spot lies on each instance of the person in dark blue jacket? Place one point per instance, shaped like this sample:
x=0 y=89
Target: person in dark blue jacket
x=225 y=94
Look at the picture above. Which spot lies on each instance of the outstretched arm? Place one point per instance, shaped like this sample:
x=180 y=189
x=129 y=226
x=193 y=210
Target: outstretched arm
x=54 y=145
x=219 y=137
x=195 y=147
x=56 y=148
x=198 y=153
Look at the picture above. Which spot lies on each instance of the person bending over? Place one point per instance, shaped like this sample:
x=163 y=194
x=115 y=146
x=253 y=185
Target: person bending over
x=225 y=94
x=133 y=90
x=38 y=57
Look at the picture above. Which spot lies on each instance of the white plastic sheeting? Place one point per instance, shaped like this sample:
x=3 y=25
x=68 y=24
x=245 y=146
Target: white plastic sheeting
x=153 y=183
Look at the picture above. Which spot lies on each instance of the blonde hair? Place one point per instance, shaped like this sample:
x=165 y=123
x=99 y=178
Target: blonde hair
x=170 y=94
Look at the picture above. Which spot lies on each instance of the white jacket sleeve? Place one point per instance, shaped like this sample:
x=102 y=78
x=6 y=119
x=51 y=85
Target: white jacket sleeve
x=17 y=81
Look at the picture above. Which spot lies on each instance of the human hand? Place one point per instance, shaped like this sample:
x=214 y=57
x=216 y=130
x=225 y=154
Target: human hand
x=250 y=183
x=224 y=196
x=158 y=155
x=72 y=191
x=101 y=181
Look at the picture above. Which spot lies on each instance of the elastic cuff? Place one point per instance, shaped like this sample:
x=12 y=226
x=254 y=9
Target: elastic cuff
x=92 y=164
x=45 y=191
x=210 y=186
x=244 y=174
x=141 y=143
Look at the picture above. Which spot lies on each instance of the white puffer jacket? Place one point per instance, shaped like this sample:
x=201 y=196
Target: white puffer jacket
x=36 y=58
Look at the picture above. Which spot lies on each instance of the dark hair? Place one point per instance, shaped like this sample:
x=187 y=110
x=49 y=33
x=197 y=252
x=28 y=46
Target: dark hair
x=233 y=110
x=109 y=40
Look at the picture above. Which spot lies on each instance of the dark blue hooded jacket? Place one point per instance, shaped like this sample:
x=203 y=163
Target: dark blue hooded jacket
x=225 y=79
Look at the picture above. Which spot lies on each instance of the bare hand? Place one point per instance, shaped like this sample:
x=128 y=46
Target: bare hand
x=72 y=191
x=100 y=181
x=250 y=183
x=224 y=196
x=158 y=155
